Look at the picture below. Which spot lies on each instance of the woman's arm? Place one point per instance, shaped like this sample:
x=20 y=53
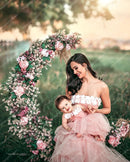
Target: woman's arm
x=64 y=123
x=105 y=100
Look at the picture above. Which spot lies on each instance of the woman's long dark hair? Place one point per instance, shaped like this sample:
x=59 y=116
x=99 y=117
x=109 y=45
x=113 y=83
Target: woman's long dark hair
x=74 y=83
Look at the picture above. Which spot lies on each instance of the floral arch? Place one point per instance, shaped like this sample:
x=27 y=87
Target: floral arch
x=25 y=120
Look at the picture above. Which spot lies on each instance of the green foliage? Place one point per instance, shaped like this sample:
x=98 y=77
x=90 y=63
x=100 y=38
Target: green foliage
x=17 y=68
x=21 y=13
x=13 y=95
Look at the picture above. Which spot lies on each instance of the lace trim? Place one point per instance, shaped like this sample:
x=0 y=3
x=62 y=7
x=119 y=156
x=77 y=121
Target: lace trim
x=86 y=100
x=76 y=111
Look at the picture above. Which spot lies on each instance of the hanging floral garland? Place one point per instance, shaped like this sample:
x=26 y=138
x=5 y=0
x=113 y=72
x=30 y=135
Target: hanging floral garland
x=25 y=120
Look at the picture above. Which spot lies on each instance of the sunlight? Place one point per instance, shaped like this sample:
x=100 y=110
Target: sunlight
x=105 y=2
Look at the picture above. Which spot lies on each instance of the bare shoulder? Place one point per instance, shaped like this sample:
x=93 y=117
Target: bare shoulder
x=103 y=85
x=103 y=88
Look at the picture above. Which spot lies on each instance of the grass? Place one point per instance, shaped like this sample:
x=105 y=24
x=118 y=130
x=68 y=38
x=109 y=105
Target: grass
x=111 y=66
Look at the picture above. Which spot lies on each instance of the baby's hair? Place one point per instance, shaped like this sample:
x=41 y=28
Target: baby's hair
x=59 y=99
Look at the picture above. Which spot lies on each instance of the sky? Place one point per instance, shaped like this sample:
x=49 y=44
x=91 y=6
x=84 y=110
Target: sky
x=117 y=28
x=93 y=28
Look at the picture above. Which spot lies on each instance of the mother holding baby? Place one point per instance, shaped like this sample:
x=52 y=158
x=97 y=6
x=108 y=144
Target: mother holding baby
x=83 y=87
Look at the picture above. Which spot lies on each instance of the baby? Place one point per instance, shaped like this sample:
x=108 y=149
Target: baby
x=63 y=103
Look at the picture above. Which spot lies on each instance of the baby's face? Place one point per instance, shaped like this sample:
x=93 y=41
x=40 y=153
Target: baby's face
x=65 y=106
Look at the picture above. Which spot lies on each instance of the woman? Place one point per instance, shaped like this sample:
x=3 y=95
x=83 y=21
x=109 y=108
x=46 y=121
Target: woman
x=83 y=87
x=82 y=80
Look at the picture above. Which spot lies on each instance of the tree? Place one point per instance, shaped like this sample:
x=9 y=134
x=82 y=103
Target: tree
x=22 y=13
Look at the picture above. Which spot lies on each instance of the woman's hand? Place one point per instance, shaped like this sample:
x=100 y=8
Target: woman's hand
x=90 y=109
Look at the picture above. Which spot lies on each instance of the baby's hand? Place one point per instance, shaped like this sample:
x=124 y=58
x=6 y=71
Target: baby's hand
x=99 y=138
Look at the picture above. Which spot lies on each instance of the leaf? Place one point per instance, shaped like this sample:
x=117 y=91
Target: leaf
x=29 y=67
x=35 y=79
x=46 y=58
x=24 y=96
x=17 y=68
x=26 y=81
x=43 y=46
x=13 y=95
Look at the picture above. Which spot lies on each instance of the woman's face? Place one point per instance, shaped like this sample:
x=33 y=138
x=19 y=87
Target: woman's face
x=78 y=69
x=65 y=106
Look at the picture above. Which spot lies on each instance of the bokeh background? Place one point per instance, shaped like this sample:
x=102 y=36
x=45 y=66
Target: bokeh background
x=104 y=26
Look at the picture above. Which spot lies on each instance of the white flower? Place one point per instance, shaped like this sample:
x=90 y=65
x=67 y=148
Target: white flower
x=29 y=75
x=59 y=46
x=45 y=52
x=19 y=91
x=23 y=121
x=22 y=58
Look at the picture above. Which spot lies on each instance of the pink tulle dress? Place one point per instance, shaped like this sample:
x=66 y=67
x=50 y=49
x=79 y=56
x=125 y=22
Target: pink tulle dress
x=70 y=148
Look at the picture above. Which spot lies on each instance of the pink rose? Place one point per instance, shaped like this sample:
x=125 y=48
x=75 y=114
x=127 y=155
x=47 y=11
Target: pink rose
x=35 y=152
x=19 y=91
x=59 y=46
x=23 y=65
x=68 y=47
x=41 y=145
x=23 y=112
x=114 y=141
x=24 y=121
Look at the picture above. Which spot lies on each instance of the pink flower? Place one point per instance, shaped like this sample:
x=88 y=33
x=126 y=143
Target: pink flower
x=24 y=121
x=23 y=65
x=51 y=53
x=33 y=83
x=19 y=91
x=41 y=145
x=22 y=113
x=59 y=46
x=35 y=152
x=46 y=117
x=40 y=49
x=114 y=141
x=124 y=129
x=68 y=47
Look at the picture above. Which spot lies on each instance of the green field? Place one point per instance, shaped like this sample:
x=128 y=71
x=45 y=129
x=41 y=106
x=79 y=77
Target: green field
x=113 y=67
